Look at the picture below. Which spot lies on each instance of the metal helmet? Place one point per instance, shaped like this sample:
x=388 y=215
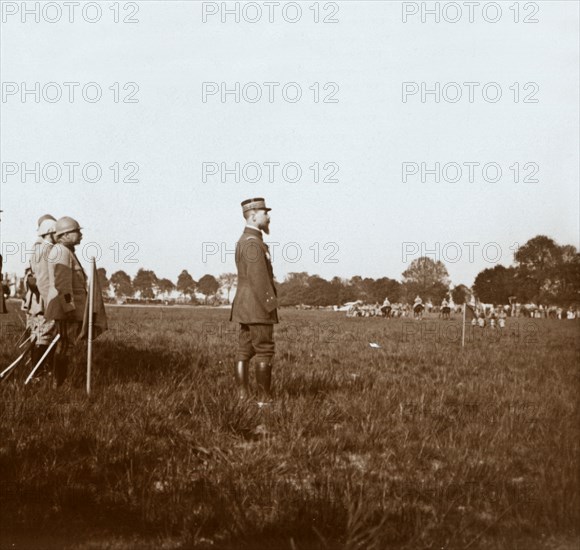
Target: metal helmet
x=44 y=218
x=46 y=227
x=66 y=225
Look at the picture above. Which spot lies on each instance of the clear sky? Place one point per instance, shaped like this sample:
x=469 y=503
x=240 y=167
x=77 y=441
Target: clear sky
x=360 y=224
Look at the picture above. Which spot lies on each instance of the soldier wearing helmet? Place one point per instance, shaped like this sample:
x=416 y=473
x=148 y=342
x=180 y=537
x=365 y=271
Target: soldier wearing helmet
x=67 y=294
x=37 y=283
x=45 y=236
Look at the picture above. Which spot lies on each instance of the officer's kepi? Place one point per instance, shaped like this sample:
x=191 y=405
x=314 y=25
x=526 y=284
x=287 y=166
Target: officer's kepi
x=255 y=204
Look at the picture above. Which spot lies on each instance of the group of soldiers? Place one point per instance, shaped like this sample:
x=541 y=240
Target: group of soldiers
x=389 y=310
x=56 y=297
x=56 y=294
x=495 y=319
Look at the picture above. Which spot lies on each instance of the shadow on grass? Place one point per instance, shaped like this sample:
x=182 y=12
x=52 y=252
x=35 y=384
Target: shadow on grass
x=311 y=384
x=116 y=363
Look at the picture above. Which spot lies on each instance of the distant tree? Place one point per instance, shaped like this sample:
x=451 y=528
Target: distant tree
x=356 y=286
x=103 y=281
x=460 y=294
x=569 y=254
x=208 y=286
x=495 y=285
x=122 y=284
x=386 y=288
x=145 y=282
x=569 y=276
x=339 y=290
x=227 y=281
x=361 y=289
x=165 y=286
x=544 y=270
x=346 y=292
x=367 y=290
x=427 y=278
x=319 y=292
x=294 y=289
x=186 y=284
x=540 y=254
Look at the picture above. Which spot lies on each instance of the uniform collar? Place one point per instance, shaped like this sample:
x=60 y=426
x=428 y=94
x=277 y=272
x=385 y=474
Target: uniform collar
x=253 y=230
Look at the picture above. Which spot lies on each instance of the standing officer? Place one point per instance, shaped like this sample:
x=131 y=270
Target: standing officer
x=255 y=303
x=67 y=294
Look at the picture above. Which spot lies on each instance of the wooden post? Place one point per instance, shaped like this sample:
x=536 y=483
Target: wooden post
x=463 y=326
x=90 y=334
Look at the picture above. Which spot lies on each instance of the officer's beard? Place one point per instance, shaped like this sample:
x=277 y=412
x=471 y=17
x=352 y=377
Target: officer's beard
x=265 y=227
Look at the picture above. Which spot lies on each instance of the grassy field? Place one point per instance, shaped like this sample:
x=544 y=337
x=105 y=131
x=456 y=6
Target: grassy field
x=416 y=444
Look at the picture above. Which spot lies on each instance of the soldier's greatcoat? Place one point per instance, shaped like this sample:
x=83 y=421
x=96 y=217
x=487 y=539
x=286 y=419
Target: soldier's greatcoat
x=67 y=285
x=39 y=266
x=37 y=297
x=256 y=299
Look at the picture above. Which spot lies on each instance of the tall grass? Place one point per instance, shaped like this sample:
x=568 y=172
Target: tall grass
x=416 y=444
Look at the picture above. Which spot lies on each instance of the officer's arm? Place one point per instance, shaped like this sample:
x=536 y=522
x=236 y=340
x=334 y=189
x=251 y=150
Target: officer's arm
x=62 y=277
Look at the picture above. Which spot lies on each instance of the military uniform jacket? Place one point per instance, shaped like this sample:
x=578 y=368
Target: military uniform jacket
x=256 y=299
x=67 y=285
x=39 y=266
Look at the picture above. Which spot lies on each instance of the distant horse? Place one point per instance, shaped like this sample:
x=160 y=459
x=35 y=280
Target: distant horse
x=445 y=312
x=418 y=311
x=386 y=311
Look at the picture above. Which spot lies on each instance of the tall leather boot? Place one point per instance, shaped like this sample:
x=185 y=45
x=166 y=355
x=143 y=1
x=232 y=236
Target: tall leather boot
x=264 y=380
x=241 y=370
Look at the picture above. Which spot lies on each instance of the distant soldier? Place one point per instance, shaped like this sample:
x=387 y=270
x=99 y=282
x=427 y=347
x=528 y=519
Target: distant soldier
x=502 y=318
x=3 y=308
x=445 y=309
x=255 y=303
x=67 y=294
x=418 y=308
x=386 y=308
x=38 y=286
x=481 y=320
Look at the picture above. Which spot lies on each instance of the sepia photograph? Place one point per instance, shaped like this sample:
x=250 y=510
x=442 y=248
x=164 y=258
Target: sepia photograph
x=289 y=275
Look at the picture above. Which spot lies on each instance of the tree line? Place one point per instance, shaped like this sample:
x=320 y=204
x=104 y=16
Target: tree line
x=148 y=286
x=543 y=272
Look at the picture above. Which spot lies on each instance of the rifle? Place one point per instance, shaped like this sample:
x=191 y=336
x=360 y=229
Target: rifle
x=41 y=360
x=8 y=370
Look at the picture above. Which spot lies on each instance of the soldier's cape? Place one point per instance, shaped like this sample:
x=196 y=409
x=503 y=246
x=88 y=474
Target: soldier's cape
x=3 y=308
x=99 y=314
